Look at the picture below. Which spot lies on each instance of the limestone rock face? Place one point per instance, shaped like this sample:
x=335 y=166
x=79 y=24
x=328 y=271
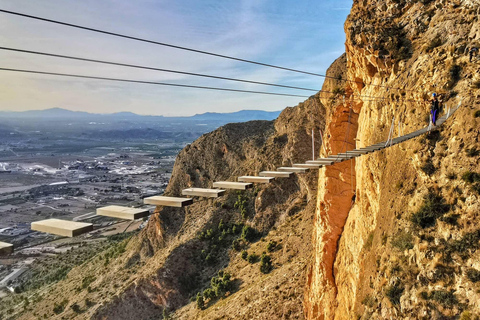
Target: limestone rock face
x=397 y=54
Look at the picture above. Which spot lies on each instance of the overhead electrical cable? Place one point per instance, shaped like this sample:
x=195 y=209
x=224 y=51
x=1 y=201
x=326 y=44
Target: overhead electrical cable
x=154 y=69
x=190 y=49
x=175 y=71
x=369 y=98
x=149 y=82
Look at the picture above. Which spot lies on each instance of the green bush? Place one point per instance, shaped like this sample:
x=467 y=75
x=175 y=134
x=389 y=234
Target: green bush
x=200 y=301
x=271 y=245
x=432 y=208
x=248 y=233
x=451 y=219
x=464 y=246
x=445 y=298
x=266 y=263
x=454 y=72
x=473 y=275
x=394 y=293
x=403 y=240
x=369 y=301
x=428 y=167
x=87 y=281
x=369 y=242
x=236 y=245
x=471 y=177
x=244 y=254
x=219 y=286
x=476 y=114
x=252 y=258
x=76 y=308
x=473 y=152
x=58 y=308
x=241 y=204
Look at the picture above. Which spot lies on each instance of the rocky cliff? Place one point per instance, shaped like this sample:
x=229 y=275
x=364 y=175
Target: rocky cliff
x=407 y=246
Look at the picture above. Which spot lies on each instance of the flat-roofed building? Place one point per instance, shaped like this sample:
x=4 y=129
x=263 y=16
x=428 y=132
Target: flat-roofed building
x=62 y=227
x=120 y=212
x=5 y=248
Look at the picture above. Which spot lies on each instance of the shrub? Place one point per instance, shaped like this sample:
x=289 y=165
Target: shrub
x=240 y=204
x=58 y=308
x=463 y=246
x=451 y=219
x=476 y=84
x=402 y=240
x=445 y=298
x=394 y=293
x=252 y=258
x=451 y=176
x=471 y=177
x=454 y=72
x=369 y=242
x=244 y=255
x=473 y=275
x=271 y=245
x=369 y=301
x=477 y=113
x=248 y=233
x=87 y=281
x=473 y=152
x=236 y=245
x=432 y=208
x=76 y=308
x=200 y=301
x=428 y=167
x=266 y=263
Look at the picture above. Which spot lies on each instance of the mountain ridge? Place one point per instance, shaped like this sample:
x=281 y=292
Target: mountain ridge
x=243 y=115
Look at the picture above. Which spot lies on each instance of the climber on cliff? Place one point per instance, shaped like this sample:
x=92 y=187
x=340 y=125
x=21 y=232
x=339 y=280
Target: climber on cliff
x=434 y=108
x=473 y=51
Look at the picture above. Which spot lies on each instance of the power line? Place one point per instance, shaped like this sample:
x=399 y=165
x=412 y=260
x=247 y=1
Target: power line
x=153 y=68
x=191 y=49
x=369 y=99
x=181 y=72
x=149 y=82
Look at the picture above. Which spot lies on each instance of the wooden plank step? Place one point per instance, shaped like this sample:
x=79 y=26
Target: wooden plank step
x=203 y=192
x=232 y=185
x=168 y=201
x=64 y=228
x=350 y=155
x=308 y=165
x=276 y=174
x=6 y=248
x=322 y=161
x=293 y=169
x=125 y=213
x=360 y=152
x=254 y=179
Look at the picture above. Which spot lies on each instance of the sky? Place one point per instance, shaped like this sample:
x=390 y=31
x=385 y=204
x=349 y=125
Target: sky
x=303 y=34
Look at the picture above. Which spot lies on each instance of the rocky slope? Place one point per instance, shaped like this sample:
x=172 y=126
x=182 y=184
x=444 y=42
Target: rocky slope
x=159 y=270
x=407 y=246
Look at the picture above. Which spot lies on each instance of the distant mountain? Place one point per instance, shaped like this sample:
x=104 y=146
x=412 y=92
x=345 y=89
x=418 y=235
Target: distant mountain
x=59 y=113
x=239 y=116
x=47 y=113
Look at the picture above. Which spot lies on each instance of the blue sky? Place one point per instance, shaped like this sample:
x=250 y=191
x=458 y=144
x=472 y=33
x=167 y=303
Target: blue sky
x=302 y=34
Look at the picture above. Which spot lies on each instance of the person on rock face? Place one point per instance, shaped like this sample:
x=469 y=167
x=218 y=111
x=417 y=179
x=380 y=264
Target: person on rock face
x=435 y=107
x=473 y=51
